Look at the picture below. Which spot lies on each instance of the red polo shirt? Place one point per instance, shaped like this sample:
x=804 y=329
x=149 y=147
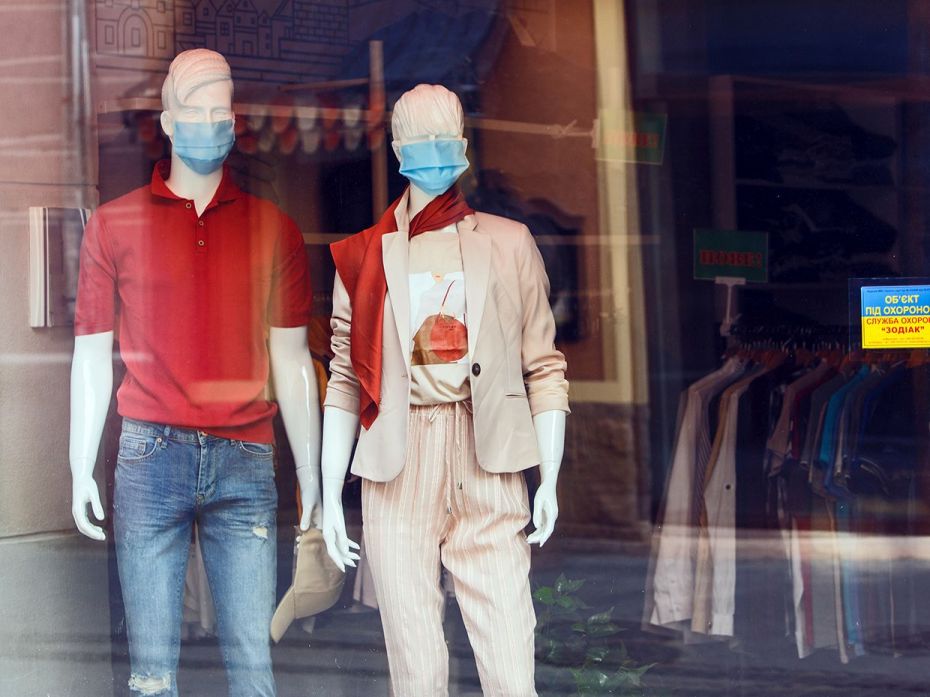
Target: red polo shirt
x=194 y=296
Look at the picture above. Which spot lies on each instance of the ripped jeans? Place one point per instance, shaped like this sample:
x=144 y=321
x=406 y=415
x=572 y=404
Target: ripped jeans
x=166 y=479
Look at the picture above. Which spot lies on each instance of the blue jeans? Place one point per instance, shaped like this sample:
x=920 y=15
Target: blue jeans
x=166 y=479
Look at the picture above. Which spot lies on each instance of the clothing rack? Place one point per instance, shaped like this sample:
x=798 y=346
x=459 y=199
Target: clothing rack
x=796 y=334
x=791 y=337
x=788 y=463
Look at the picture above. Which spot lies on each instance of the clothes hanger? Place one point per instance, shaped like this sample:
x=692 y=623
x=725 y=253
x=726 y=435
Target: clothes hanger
x=917 y=358
x=803 y=356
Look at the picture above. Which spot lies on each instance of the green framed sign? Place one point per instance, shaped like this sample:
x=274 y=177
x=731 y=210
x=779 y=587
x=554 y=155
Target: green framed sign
x=731 y=254
x=636 y=137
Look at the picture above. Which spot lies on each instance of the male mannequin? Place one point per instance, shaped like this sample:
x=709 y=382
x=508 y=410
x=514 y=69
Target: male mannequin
x=478 y=403
x=201 y=270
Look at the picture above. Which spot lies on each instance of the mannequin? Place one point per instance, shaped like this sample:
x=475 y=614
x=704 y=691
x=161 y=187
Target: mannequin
x=455 y=409
x=187 y=257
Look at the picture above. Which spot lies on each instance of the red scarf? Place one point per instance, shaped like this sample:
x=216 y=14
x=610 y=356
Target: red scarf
x=361 y=267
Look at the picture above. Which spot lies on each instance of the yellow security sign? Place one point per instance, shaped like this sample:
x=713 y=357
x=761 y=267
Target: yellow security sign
x=895 y=317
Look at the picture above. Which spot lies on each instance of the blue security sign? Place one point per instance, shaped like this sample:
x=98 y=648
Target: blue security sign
x=895 y=316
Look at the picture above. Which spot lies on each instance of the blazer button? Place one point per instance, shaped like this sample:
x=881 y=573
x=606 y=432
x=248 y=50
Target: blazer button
x=476 y=369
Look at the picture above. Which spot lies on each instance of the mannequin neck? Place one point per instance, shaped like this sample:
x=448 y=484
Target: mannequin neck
x=417 y=201
x=186 y=183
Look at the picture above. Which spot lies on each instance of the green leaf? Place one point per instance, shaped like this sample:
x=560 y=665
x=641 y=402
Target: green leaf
x=589 y=679
x=597 y=654
x=631 y=677
x=565 y=585
x=551 y=650
x=602 y=617
x=599 y=631
x=545 y=595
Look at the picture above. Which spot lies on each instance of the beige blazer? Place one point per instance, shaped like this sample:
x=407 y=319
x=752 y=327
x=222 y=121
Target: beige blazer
x=516 y=371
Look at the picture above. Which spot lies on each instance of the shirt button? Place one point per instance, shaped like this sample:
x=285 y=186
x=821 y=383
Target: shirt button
x=200 y=243
x=476 y=369
x=200 y=223
x=188 y=204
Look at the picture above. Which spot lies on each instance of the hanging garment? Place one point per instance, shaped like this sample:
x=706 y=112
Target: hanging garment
x=675 y=539
x=808 y=501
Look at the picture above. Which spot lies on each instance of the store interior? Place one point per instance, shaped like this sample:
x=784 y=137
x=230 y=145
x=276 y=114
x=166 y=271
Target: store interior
x=615 y=130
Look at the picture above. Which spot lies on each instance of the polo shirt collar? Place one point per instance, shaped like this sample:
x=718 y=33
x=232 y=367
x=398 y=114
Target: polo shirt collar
x=226 y=191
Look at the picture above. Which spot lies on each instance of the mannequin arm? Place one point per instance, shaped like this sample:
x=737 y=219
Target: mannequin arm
x=339 y=428
x=91 y=388
x=546 y=387
x=543 y=364
x=342 y=391
x=340 y=424
x=298 y=398
x=550 y=436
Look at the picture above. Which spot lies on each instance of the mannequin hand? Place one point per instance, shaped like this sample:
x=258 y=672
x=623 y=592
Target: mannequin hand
x=83 y=492
x=550 y=435
x=545 y=513
x=309 y=497
x=338 y=545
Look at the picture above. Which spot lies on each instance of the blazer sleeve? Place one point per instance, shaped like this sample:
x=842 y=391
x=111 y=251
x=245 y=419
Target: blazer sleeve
x=543 y=365
x=343 y=389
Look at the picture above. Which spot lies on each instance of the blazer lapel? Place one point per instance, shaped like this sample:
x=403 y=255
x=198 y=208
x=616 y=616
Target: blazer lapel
x=476 y=264
x=394 y=255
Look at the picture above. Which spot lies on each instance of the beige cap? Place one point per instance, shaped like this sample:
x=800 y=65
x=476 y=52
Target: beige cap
x=317 y=584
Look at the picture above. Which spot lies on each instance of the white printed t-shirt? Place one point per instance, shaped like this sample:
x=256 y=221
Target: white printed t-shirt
x=438 y=330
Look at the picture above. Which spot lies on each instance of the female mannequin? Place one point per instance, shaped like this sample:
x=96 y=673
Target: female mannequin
x=452 y=411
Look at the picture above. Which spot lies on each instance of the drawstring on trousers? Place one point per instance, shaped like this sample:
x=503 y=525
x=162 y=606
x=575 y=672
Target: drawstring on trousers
x=454 y=479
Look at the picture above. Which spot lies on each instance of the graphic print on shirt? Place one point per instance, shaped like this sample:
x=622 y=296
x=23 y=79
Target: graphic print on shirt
x=439 y=316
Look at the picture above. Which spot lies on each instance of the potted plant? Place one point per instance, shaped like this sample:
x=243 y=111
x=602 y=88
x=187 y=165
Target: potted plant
x=585 y=643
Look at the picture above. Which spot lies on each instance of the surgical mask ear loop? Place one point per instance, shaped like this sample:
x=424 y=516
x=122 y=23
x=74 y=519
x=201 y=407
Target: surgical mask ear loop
x=397 y=145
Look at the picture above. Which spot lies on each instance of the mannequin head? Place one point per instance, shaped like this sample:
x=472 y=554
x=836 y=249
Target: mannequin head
x=424 y=111
x=197 y=108
x=427 y=124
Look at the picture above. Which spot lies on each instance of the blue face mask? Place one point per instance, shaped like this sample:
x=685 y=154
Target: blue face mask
x=203 y=146
x=433 y=165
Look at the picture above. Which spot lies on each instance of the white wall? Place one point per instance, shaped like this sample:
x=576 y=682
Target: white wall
x=54 y=616
x=39 y=165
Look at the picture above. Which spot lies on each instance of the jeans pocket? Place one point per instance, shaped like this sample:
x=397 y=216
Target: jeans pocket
x=136 y=448
x=262 y=451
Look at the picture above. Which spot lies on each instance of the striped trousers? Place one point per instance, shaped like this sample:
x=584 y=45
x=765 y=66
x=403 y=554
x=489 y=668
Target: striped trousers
x=444 y=509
